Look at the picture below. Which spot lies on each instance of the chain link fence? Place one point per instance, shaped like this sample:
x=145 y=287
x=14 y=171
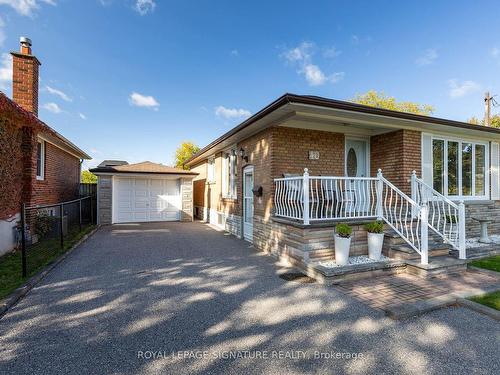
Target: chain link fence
x=47 y=231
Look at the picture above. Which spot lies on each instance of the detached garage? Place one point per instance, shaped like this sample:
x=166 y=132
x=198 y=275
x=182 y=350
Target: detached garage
x=143 y=192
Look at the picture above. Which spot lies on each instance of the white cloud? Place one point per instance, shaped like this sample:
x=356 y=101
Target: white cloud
x=58 y=93
x=232 y=113
x=26 y=7
x=315 y=76
x=495 y=52
x=331 y=52
x=459 y=89
x=144 y=7
x=82 y=116
x=429 y=56
x=139 y=100
x=5 y=71
x=301 y=53
x=302 y=57
x=52 y=107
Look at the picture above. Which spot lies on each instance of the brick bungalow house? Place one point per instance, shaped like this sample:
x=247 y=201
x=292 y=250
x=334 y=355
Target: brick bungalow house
x=37 y=164
x=284 y=177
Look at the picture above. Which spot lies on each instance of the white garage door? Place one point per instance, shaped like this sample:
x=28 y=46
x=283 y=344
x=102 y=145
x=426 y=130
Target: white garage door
x=144 y=199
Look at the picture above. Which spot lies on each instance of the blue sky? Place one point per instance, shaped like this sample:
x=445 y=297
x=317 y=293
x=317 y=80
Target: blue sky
x=131 y=79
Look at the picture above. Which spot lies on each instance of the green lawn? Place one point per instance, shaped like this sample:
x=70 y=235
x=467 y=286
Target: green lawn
x=491 y=300
x=492 y=263
x=39 y=256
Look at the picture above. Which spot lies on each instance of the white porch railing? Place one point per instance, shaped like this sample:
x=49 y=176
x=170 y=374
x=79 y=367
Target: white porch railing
x=446 y=218
x=315 y=198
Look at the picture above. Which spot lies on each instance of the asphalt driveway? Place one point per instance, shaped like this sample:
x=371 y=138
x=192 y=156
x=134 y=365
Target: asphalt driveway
x=181 y=298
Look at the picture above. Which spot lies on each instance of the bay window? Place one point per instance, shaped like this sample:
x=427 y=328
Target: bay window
x=229 y=174
x=459 y=168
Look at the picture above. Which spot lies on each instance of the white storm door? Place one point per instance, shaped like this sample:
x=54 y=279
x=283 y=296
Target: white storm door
x=248 y=204
x=357 y=191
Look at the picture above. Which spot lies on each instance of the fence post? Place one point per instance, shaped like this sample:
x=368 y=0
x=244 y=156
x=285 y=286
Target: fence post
x=91 y=210
x=23 y=240
x=380 y=188
x=462 y=252
x=424 y=232
x=61 y=224
x=80 y=211
x=305 y=187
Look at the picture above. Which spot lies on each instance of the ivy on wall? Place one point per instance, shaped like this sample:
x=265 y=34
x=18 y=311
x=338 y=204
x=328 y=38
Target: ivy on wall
x=11 y=168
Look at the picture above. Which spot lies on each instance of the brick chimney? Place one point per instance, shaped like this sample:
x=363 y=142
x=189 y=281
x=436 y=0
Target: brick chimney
x=25 y=77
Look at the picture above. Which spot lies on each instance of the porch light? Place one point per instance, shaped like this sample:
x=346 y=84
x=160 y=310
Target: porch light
x=243 y=154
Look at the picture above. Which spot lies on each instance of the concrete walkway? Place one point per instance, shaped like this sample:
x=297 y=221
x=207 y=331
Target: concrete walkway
x=133 y=292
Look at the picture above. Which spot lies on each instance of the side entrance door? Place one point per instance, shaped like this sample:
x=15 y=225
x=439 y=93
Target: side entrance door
x=248 y=204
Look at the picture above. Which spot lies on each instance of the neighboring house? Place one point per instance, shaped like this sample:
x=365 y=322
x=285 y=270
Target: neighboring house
x=142 y=192
x=251 y=180
x=37 y=164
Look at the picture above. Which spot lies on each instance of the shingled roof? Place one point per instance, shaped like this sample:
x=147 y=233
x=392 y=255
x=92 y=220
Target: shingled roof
x=143 y=167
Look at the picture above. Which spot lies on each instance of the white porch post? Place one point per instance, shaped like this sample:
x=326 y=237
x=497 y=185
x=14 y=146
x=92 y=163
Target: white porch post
x=424 y=228
x=414 y=194
x=462 y=253
x=305 y=186
x=380 y=188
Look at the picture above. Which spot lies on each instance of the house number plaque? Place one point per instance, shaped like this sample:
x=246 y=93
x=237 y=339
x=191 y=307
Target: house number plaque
x=313 y=155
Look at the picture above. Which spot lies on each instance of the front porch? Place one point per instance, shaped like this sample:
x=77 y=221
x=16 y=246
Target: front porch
x=328 y=200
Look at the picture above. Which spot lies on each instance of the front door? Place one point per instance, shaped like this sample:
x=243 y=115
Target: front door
x=356 y=165
x=248 y=204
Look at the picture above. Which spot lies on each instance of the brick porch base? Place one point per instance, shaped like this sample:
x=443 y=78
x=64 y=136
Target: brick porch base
x=396 y=290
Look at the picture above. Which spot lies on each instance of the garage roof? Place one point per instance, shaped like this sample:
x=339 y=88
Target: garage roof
x=143 y=167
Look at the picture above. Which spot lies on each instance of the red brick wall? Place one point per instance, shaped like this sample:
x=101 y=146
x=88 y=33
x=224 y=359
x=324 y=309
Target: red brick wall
x=61 y=180
x=25 y=81
x=290 y=152
x=397 y=153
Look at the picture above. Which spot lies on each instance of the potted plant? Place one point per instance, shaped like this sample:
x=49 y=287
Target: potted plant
x=375 y=231
x=342 y=243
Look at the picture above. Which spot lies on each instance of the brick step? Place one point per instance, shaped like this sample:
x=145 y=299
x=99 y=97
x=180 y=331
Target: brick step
x=438 y=266
x=478 y=252
x=405 y=251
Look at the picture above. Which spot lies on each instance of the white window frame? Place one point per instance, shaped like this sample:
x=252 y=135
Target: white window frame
x=229 y=175
x=487 y=167
x=211 y=170
x=41 y=176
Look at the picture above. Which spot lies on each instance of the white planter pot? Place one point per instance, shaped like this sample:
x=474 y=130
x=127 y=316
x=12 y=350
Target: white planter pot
x=375 y=242
x=342 y=246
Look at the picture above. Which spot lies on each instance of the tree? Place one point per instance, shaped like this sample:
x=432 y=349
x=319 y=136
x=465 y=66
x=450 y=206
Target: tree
x=88 y=177
x=494 y=121
x=378 y=99
x=184 y=152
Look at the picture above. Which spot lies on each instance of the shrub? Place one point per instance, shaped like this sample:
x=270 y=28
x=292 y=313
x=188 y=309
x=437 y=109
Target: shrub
x=451 y=219
x=43 y=223
x=375 y=227
x=343 y=230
